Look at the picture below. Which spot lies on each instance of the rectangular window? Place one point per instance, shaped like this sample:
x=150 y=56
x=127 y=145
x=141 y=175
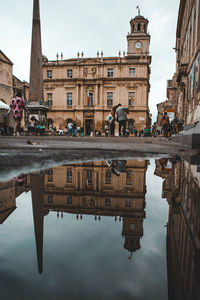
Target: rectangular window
x=89 y=176
x=107 y=202
x=131 y=99
x=69 y=99
x=108 y=177
x=128 y=203
x=49 y=99
x=50 y=175
x=69 y=73
x=69 y=200
x=50 y=198
x=132 y=72
x=110 y=72
x=69 y=175
x=49 y=73
x=90 y=101
x=110 y=99
x=129 y=178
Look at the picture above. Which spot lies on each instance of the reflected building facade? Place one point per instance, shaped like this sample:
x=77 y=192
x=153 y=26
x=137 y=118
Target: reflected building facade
x=115 y=188
x=9 y=191
x=181 y=187
x=7 y=200
x=99 y=190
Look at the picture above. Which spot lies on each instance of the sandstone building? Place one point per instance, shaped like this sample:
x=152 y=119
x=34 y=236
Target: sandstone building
x=6 y=86
x=10 y=84
x=188 y=61
x=170 y=105
x=85 y=89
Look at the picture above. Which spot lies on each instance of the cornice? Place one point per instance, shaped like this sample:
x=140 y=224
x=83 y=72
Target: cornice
x=105 y=80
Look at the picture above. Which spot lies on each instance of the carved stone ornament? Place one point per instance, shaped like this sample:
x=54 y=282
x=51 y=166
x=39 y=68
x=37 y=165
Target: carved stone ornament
x=85 y=72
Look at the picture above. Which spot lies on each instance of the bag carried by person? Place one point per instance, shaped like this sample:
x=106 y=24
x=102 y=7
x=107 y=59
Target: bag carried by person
x=109 y=118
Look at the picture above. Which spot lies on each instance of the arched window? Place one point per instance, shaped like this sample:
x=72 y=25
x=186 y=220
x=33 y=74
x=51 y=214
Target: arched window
x=139 y=27
x=68 y=121
x=145 y=28
x=133 y=27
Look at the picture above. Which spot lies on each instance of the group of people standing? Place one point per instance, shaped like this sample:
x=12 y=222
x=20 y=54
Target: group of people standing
x=119 y=114
x=165 y=123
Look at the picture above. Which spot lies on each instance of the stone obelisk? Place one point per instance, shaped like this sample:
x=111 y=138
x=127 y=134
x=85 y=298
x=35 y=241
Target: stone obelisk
x=36 y=77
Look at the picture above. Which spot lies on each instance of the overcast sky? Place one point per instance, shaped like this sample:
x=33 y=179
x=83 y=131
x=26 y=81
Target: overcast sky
x=88 y=26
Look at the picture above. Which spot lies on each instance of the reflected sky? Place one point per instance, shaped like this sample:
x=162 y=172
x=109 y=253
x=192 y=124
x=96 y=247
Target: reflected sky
x=85 y=259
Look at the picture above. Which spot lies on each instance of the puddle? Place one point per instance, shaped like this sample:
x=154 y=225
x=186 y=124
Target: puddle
x=115 y=229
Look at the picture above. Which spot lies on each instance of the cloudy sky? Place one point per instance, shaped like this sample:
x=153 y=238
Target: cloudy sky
x=88 y=26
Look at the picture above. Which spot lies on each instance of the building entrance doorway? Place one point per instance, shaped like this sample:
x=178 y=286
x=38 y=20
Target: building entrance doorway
x=88 y=126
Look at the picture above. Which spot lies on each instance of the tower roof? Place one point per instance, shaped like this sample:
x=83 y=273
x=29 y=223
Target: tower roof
x=139 y=18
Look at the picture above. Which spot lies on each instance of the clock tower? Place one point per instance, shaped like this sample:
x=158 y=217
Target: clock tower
x=138 y=39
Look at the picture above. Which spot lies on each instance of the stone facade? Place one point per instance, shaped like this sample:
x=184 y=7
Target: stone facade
x=6 y=79
x=170 y=105
x=85 y=89
x=188 y=61
x=10 y=84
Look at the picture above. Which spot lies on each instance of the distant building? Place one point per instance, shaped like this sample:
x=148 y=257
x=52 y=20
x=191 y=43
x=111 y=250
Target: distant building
x=188 y=61
x=6 y=83
x=85 y=89
x=10 y=84
x=170 y=105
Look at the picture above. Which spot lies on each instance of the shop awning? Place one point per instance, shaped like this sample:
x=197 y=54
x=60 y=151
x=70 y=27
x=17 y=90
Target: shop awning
x=4 y=105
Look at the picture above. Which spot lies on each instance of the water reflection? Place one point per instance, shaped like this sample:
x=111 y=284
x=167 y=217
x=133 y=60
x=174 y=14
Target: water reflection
x=117 y=189
x=96 y=189
x=112 y=188
x=181 y=187
x=9 y=191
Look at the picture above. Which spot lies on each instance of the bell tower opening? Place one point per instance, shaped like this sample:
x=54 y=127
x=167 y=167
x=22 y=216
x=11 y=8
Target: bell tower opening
x=138 y=40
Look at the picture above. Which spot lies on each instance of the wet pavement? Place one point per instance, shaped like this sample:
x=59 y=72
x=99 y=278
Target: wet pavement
x=110 y=229
x=31 y=153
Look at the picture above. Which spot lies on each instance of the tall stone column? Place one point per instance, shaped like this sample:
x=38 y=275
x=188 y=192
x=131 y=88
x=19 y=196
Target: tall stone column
x=36 y=76
x=96 y=95
x=77 y=95
x=101 y=95
x=82 y=96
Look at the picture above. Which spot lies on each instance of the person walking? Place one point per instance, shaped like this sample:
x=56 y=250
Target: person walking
x=164 y=122
x=121 y=118
x=17 y=106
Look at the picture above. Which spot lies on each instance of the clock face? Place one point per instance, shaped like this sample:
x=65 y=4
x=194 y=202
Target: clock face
x=138 y=45
x=132 y=226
